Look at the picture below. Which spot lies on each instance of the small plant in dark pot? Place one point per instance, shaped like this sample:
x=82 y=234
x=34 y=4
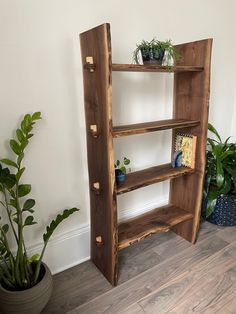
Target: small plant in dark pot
x=25 y=281
x=154 y=51
x=219 y=195
x=120 y=170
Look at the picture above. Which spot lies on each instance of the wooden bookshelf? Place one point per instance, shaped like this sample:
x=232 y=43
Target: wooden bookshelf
x=190 y=115
x=141 y=128
x=158 y=220
x=142 y=178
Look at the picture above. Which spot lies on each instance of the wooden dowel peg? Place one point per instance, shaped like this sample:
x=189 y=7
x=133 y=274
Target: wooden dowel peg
x=93 y=130
x=89 y=64
x=99 y=241
x=96 y=187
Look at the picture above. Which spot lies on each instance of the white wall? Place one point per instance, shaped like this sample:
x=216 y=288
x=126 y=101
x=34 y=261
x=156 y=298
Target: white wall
x=40 y=69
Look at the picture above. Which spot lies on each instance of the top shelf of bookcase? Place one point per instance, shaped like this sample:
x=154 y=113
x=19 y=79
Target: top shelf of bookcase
x=155 y=68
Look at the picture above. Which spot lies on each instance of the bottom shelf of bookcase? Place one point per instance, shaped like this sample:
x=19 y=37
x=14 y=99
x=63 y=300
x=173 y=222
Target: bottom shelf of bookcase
x=157 y=220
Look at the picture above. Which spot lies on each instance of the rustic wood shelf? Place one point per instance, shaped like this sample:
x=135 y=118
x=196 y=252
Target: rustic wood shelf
x=157 y=220
x=191 y=81
x=155 y=68
x=141 y=128
x=141 y=178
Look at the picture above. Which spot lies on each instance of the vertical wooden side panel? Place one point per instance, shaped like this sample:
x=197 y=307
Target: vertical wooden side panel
x=96 y=43
x=191 y=101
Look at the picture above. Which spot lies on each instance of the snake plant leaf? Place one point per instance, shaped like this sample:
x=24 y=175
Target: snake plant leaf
x=24 y=189
x=213 y=130
x=54 y=223
x=9 y=162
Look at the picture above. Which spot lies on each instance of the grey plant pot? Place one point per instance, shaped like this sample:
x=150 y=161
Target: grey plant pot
x=30 y=301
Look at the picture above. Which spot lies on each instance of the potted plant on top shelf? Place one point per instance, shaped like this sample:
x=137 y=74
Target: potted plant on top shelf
x=219 y=194
x=154 y=51
x=120 y=170
x=25 y=281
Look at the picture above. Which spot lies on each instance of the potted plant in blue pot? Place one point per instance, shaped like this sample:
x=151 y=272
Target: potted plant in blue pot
x=219 y=194
x=120 y=170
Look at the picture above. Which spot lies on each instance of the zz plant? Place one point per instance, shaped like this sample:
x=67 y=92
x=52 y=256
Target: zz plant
x=18 y=271
x=220 y=173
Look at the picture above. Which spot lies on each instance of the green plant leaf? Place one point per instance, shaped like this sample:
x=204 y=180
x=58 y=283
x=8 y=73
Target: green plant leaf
x=123 y=169
x=211 y=202
x=13 y=203
x=23 y=145
x=10 y=181
x=54 y=223
x=29 y=221
x=36 y=116
x=24 y=189
x=20 y=158
x=19 y=174
x=33 y=258
x=9 y=162
x=28 y=204
x=126 y=161
x=213 y=130
x=5 y=228
x=117 y=163
x=15 y=147
x=20 y=135
x=219 y=174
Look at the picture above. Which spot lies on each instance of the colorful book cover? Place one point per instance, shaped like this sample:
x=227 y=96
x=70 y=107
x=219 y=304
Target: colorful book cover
x=187 y=144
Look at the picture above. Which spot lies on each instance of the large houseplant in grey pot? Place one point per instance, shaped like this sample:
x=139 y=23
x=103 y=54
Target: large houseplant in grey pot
x=219 y=195
x=25 y=281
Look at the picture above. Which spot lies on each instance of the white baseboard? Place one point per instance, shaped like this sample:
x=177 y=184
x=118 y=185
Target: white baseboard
x=67 y=250
x=72 y=248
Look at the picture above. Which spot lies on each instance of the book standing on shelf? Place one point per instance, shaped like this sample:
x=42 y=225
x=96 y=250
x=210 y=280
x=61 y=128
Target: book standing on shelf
x=185 y=145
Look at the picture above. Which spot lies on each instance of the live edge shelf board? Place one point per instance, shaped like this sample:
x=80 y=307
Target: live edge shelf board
x=157 y=220
x=139 y=179
x=147 y=127
x=191 y=80
x=154 y=68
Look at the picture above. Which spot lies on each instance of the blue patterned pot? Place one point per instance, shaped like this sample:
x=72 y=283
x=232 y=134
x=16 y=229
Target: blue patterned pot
x=151 y=57
x=224 y=213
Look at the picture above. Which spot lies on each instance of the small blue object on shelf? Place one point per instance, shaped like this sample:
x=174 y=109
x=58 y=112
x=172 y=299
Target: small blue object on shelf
x=177 y=159
x=120 y=176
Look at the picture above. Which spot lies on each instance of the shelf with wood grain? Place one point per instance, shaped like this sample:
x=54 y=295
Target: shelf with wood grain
x=142 y=178
x=155 y=68
x=157 y=220
x=141 y=128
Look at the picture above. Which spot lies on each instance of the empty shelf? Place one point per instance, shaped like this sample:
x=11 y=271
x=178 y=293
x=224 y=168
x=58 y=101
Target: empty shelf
x=141 y=128
x=158 y=220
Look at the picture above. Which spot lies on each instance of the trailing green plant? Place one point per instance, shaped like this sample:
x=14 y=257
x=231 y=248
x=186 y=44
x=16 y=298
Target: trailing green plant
x=18 y=271
x=220 y=172
x=156 y=47
x=122 y=165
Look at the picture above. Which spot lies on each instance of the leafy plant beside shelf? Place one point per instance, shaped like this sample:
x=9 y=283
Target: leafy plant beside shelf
x=220 y=173
x=154 y=51
x=120 y=170
x=19 y=271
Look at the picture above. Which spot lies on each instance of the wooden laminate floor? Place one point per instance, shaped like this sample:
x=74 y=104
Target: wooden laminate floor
x=161 y=274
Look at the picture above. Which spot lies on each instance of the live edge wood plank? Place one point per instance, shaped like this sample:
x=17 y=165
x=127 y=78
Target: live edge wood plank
x=154 y=68
x=140 y=128
x=158 y=220
x=151 y=175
